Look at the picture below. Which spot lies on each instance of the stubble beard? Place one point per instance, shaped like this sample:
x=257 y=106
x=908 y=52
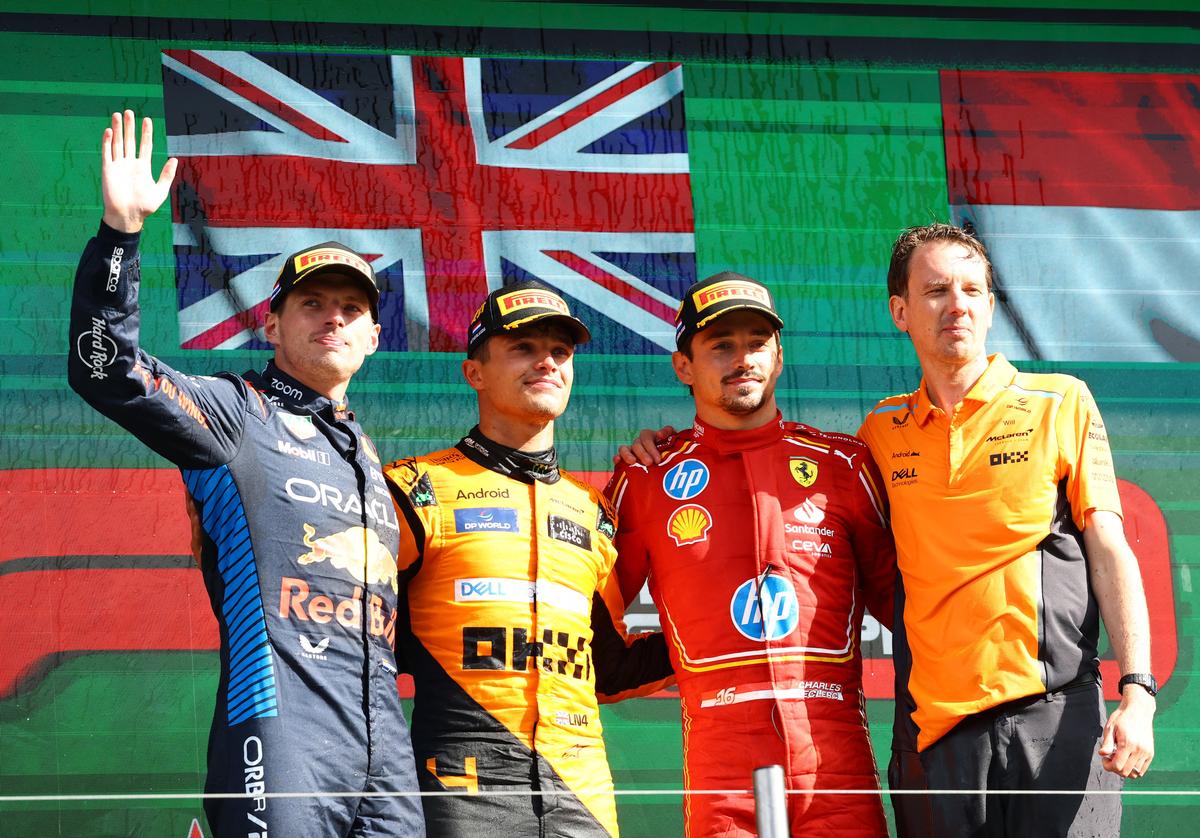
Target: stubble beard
x=744 y=401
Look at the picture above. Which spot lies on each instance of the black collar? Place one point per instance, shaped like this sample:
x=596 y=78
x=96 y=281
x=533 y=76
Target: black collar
x=279 y=385
x=526 y=466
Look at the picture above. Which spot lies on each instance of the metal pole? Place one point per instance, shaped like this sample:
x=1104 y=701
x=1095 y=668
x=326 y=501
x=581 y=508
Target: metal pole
x=770 y=802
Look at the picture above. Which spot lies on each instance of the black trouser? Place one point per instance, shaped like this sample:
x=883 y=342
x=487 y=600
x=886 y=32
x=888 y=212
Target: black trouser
x=1042 y=743
x=913 y=817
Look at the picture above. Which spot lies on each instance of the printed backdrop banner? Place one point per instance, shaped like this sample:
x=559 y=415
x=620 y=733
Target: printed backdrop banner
x=1085 y=188
x=454 y=176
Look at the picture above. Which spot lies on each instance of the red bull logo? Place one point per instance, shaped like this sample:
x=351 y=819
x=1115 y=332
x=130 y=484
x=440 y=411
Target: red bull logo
x=297 y=601
x=730 y=290
x=343 y=551
x=518 y=300
x=321 y=256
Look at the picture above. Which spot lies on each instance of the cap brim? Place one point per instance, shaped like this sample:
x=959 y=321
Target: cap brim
x=579 y=331
x=774 y=318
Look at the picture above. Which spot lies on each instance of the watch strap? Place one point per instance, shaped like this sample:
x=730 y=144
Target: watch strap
x=1143 y=679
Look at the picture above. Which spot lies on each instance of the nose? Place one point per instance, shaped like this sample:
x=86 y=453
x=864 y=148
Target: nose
x=958 y=299
x=742 y=360
x=547 y=361
x=335 y=316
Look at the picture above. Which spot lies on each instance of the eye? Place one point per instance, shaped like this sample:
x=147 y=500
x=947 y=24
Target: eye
x=562 y=352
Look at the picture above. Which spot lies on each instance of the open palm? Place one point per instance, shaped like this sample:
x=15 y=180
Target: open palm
x=130 y=191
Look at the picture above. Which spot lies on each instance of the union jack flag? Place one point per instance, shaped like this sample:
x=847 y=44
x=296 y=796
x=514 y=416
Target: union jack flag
x=453 y=176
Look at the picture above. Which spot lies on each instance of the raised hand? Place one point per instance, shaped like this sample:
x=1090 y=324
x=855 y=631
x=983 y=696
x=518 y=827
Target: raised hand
x=130 y=191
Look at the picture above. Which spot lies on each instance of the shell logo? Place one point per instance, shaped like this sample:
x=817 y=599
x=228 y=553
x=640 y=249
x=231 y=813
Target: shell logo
x=689 y=524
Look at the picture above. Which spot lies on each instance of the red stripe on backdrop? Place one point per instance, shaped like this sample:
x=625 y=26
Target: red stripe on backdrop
x=213 y=337
x=1072 y=139
x=611 y=283
x=252 y=93
x=596 y=104
x=140 y=512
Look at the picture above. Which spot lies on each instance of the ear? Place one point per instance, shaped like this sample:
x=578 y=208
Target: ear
x=374 y=343
x=899 y=309
x=271 y=328
x=683 y=368
x=472 y=372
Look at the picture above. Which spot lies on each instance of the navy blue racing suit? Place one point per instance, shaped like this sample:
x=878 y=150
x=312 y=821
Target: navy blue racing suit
x=297 y=537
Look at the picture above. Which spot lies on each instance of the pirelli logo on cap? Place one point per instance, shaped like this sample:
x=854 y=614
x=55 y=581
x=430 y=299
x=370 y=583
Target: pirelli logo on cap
x=730 y=290
x=518 y=300
x=310 y=259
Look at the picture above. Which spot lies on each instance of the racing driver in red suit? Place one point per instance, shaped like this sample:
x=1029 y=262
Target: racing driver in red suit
x=762 y=541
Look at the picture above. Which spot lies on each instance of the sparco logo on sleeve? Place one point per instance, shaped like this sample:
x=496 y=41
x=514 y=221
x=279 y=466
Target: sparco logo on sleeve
x=96 y=348
x=114 y=269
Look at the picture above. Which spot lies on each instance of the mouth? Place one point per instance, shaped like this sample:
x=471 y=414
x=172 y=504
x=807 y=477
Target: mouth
x=742 y=379
x=330 y=340
x=544 y=384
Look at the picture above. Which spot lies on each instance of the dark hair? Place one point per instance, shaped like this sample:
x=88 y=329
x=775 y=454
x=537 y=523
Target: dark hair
x=912 y=238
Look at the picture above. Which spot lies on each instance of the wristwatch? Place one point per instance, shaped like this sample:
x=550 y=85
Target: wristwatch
x=1143 y=679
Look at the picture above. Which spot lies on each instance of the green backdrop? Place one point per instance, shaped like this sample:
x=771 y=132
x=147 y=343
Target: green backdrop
x=814 y=134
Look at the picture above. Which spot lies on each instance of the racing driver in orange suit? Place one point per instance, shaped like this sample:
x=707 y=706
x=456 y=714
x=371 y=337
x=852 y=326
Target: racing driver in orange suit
x=514 y=609
x=762 y=541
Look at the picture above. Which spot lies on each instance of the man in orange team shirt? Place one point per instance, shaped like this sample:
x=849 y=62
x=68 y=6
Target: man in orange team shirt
x=1009 y=540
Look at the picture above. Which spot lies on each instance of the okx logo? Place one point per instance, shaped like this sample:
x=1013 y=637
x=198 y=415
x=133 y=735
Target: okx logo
x=765 y=607
x=686 y=480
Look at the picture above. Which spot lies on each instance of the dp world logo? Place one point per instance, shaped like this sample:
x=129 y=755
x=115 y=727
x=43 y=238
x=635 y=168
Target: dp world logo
x=765 y=608
x=686 y=480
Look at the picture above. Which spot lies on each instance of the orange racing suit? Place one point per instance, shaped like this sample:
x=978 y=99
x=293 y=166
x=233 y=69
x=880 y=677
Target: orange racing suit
x=516 y=625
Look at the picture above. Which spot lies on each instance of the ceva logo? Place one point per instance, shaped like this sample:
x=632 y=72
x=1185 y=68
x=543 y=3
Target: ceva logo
x=765 y=608
x=686 y=480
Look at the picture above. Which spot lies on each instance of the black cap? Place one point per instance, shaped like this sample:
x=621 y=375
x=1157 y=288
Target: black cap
x=515 y=305
x=720 y=294
x=324 y=258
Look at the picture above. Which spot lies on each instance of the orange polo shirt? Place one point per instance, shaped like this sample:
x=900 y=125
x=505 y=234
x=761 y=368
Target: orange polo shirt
x=988 y=507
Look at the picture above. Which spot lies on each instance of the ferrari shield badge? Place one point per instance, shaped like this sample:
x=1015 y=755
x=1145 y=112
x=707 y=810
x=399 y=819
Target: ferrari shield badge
x=804 y=470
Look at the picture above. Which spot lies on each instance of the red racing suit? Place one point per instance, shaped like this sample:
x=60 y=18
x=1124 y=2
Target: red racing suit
x=761 y=548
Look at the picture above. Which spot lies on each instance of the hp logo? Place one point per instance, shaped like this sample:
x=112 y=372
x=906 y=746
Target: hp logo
x=686 y=480
x=766 y=609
